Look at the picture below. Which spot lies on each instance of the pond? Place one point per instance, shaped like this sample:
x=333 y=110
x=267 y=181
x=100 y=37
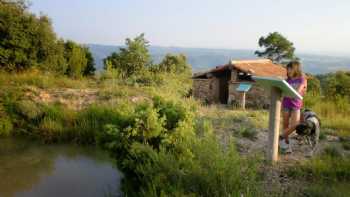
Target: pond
x=29 y=169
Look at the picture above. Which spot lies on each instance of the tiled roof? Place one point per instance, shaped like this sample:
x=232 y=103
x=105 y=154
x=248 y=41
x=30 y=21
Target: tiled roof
x=259 y=67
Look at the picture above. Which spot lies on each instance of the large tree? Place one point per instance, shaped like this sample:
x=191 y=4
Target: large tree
x=76 y=59
x=27 y=40
x=90 y=64
x=131 y=60
x=276 y=48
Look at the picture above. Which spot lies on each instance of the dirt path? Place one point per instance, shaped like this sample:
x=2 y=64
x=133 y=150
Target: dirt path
x=251 y=137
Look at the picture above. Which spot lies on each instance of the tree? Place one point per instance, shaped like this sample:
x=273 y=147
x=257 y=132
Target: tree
x=277 y=48
x=76 y=59
x=313 y=85
x=27 y=40
x=133 y=59
x=175 y=64
x=337 y=84
x=90 y=65
x=16 y=26
x=49 y=50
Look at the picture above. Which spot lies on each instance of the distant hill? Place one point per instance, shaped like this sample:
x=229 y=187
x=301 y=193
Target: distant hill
x=202 y=59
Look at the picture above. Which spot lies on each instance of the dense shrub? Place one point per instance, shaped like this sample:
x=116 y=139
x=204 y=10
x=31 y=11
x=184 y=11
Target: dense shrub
x=137 y=133
x=205 y=169
x=155 y=166
x=29 y=109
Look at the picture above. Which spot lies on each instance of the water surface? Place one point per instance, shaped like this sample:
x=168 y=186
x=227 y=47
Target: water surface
x=29 y=169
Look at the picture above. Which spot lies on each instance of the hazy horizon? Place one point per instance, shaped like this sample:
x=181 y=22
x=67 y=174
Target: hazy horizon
x=313 y=26
x=321 y=53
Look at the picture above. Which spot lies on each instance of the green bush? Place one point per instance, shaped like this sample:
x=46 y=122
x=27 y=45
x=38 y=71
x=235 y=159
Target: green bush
x=248 y=132
x=189 y=166
x=29 y=109
x=147 y=123
x=134 y=136
x=172 y=111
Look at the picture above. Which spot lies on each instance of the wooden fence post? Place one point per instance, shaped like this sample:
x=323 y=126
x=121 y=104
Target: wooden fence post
x=243 y=100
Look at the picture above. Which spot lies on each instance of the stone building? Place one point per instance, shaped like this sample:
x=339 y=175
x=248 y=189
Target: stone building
x=219 y=85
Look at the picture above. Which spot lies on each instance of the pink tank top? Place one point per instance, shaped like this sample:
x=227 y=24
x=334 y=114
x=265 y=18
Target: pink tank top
x=294 y=103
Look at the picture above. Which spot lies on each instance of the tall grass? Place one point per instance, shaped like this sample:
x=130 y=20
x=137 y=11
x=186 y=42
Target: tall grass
x=334 y=114
x=41 y=80
x=326 y=175
x=5 y=126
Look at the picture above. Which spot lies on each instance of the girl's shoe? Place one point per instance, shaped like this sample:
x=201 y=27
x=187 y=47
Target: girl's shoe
x=289 y=149
x=285 y=148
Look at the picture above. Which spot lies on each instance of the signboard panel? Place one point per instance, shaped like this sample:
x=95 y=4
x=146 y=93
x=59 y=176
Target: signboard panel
x=244 y=87
x=287 y=90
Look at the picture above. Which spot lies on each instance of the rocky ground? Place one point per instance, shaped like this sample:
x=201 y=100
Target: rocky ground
x=249 y=129
x=76 y=99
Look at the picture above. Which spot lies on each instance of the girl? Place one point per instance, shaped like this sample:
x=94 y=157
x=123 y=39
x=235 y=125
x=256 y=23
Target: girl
x=292 y=106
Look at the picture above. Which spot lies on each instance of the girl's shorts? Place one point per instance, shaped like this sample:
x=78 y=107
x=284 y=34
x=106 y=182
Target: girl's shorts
x=290 y=110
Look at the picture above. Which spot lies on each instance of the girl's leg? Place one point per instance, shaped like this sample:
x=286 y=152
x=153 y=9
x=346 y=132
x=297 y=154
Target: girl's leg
x=286 y=116
x=294 y=121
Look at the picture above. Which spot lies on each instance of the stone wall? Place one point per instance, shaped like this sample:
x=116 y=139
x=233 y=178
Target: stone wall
x=206 y=90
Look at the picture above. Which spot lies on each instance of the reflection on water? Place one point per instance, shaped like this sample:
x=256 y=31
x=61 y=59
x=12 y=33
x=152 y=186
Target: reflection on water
x=31 y=169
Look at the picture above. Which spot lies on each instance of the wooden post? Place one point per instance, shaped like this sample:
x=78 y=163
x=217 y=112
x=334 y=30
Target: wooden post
x=243 y=100
x=274 y=124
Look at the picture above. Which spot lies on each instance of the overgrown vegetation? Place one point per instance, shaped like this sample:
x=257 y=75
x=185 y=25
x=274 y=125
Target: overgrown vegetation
x=332 y=102
x=162 y=139
x=327 y=174
x=156 y=143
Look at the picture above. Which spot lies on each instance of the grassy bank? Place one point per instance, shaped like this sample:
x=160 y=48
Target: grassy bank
x=166 y=143
x=156 y=141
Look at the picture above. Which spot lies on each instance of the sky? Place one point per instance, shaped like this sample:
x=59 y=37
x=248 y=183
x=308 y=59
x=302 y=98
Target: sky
x=321 y=26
